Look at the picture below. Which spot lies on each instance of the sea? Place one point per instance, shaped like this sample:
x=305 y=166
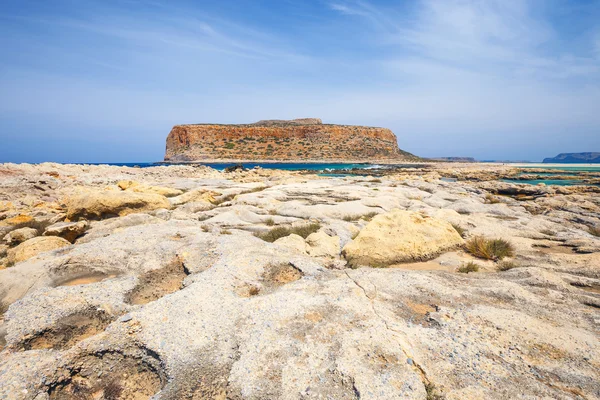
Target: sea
x=557 y=170
x=334 y=169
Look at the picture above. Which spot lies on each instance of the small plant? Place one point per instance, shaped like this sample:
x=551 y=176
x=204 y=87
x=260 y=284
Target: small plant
x=205 y=228
x=224 y=199
x=594 y=230
x=269 y=222
x=225 y=232
x=369 y=216
x=461 y=231
x=432 y=392
x=490 y=249
x=229 y=145
x=468 y=267
x=507 y=265
x=272 y=212
x=203 y=217
x=491 y=199
x=283 y=231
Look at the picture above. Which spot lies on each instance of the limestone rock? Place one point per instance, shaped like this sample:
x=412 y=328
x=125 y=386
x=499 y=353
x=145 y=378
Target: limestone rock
x=20 y=235
x=35 y=246
x=202 y=195
x=293 y=242
x=141 y=188
x=67 y=230
x=92 y=203
x=323 y=245
x=195 y=142
x=401 y=236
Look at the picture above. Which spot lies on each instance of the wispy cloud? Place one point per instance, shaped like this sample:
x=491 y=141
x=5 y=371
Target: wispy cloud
x=497 y=36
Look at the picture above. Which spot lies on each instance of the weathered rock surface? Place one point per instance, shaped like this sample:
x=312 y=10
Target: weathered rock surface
x=33 y=247
x=184 y=301
x=67 y=230
x=306 y=139
x=20 y=235
x=86 y=203
x=401 y=236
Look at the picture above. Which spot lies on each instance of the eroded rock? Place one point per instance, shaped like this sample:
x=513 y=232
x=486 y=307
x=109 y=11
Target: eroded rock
x=401 y=236
x=35 y=246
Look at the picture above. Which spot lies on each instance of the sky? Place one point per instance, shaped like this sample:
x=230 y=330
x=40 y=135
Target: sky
x=106 y=80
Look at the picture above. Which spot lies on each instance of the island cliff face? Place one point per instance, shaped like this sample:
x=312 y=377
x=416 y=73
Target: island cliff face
x=276 y=140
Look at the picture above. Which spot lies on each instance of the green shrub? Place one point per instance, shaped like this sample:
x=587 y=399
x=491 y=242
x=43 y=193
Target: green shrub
x=283 y=231
x=229 y=145
x=468 y=267
x=490 y=249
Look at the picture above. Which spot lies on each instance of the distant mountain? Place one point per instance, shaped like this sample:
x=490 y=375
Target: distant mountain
x=574 y=158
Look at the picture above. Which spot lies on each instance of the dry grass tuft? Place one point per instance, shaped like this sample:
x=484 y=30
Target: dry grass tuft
x=468 y=267
x=283 y=231
x=461 y=231
x=269 y=222
x=490 y=249
x=507 y=265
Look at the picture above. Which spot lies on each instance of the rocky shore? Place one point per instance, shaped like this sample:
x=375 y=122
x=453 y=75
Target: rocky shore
x=183 y=282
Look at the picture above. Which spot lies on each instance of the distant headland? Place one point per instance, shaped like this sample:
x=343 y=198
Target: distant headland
x=574 y=158
x=299 y=140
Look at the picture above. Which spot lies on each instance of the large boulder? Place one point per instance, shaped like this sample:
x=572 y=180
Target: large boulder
x=92 y=203
x=67 y=230
x=401 y=236
x=35 y=246
x=20 y=235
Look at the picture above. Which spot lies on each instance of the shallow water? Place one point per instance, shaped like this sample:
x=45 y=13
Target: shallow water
x=566 y=168
x=557 y=182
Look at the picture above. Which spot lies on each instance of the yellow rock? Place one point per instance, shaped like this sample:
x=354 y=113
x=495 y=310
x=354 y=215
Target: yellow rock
x=19 y=219
x=93 y=203
x=33 y=247
x=401 y=236
x=141 y=188
x=195 y=195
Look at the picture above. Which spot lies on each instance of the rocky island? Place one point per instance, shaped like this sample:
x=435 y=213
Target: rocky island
x=183 y=282
x=575 y=158
x=276 y=140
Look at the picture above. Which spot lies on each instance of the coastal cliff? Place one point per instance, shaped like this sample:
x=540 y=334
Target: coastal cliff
x=276 y=140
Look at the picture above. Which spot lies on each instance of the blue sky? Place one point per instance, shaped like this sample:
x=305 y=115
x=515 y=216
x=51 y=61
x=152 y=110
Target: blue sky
x=105 y=80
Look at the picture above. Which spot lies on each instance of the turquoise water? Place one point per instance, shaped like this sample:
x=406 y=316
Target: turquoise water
x=560 y=170
x=327 y=168
x=558 y=182
x=283 y=166
x=577 y=169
